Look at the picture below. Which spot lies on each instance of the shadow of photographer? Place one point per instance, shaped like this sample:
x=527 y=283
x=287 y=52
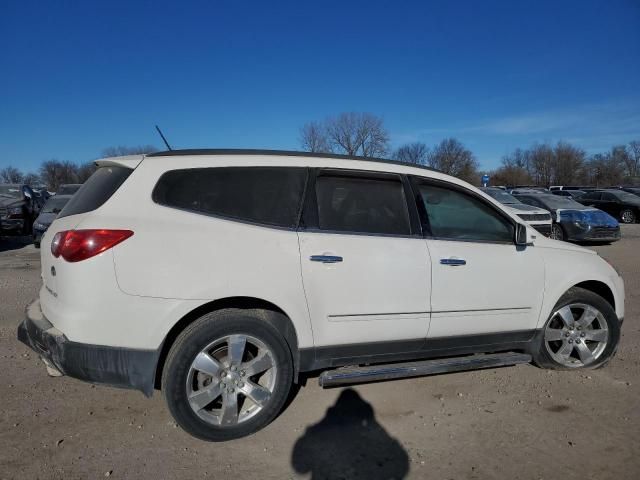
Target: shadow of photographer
x=349 y=443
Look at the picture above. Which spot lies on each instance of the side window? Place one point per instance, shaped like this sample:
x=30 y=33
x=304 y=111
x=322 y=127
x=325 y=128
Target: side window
x=593 y=196
x=266 y=195
x=609 y=197
x=354 y=204
x=454 y=215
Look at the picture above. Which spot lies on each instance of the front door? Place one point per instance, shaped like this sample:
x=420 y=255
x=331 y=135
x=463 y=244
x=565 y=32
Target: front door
x=365 y=269
x=482 y=282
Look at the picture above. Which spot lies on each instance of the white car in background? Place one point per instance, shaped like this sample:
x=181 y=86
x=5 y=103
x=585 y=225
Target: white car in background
x=221 y=276
x=538 y=218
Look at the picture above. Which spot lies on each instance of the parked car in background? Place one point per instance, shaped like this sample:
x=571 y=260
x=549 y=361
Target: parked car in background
x=18 y=208
x=538 y=218
x=219 y=276
x=68 y=188
x=47 y=215
x=41 y=195
x=573 y=221
x=634 y=190
x=568 y=193
x=618 y=203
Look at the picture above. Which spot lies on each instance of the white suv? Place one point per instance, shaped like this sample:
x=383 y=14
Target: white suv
x=219 y=276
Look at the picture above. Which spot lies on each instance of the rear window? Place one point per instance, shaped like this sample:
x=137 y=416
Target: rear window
x=264 y=195
x=96 y=191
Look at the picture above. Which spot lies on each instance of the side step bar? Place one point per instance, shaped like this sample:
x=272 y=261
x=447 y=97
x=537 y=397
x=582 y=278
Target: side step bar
x=375 y=373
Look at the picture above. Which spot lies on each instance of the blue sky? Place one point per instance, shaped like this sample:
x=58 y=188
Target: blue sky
x=81 y=76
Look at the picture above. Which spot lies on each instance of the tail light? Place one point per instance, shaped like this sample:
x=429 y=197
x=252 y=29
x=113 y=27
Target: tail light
x=77 y=245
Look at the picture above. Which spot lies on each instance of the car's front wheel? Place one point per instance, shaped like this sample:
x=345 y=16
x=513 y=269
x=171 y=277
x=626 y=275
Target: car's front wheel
x=227 y=375
x=556 y=232
x=628 y=216
x=583 y=331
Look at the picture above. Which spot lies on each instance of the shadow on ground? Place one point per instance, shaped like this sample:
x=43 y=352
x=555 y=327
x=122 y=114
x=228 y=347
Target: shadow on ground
x=348 y=443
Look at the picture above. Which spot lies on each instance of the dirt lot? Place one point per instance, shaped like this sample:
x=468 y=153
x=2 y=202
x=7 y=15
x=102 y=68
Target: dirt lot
x=519 y=422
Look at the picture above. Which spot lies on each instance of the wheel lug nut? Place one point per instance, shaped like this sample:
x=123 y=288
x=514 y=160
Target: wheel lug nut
x=242 y=373
x=577 y=340
x=241 y=384
x=567 y=334
x=582 y=334
x=570 y=341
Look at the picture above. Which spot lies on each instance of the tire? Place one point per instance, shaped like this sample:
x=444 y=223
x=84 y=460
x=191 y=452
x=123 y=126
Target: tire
x=208 y=345
x=557 y=233
x=602 y=333
x=628 y=216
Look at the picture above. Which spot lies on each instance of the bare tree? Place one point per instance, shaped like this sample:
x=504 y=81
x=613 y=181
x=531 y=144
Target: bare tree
x=451 y=157
x=85 y=170
x=357 y=134
x=568 y=163
x=542 y=163
x=31 y=178
x=313 y=138
x=415 y=153
x=121 y=151
x=54 y=173
x=633 y=161
x=11 y=175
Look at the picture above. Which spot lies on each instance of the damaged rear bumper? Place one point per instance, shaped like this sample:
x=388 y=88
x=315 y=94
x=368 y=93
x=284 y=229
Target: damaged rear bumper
x=117 y=367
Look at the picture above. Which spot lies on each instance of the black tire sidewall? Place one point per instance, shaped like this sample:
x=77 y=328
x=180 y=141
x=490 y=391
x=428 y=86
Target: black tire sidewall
x=560 y=229
x=579 y=295
x=195 y=338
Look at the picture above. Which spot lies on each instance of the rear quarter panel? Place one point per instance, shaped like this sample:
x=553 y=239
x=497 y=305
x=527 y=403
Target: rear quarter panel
x=195 y=258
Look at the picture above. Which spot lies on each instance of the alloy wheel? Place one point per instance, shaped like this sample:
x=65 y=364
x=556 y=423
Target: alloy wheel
x=576 y=335
x=231 y=380
x=556 y=232
x=627 y=216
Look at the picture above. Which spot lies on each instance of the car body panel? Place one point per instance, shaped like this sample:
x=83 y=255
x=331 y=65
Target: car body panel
x=133 y=294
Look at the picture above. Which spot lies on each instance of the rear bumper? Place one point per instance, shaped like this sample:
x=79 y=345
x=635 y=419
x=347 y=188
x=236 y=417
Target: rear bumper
x=117 y=367
x=12 y=224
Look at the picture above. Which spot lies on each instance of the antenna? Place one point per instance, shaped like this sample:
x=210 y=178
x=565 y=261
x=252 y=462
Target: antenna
x=163 y=139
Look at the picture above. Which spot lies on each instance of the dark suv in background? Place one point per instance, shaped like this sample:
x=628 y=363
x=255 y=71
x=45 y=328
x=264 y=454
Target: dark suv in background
x=18 y=208
x=618 y=203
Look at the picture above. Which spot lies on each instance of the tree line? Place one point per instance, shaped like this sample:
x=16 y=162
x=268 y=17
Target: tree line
x=53 y=173
x=364 y=134
x=544 y=164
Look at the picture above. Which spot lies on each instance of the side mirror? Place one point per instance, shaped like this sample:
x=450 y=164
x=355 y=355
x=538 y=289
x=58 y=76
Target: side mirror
x=27 y=194
x=523 y=237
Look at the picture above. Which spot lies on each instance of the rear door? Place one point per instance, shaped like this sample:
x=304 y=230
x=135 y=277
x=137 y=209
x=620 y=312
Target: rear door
x=365 y=268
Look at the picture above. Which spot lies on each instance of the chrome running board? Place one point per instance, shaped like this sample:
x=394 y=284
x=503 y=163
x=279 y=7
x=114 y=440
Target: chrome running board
x=376 y=373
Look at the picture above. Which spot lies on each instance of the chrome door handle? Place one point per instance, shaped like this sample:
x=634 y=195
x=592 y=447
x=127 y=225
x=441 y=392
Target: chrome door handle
x=325 y=258
x=454 y=262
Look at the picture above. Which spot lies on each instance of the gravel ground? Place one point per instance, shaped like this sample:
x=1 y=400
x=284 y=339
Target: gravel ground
x=518 y=422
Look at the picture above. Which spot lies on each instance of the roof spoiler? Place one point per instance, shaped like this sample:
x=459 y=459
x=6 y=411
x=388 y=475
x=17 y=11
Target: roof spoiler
x=129 y=161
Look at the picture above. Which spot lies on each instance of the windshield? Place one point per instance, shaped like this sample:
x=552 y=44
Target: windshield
x=554 y=201
x=55 y=204
x=10 y=191
x=501 y=196
x=626 y=196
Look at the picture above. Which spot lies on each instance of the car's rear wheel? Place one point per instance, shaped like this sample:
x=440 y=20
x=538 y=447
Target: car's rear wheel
x=583 y=331
x=628 y=216
x=556 y=232
x=227 y=375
